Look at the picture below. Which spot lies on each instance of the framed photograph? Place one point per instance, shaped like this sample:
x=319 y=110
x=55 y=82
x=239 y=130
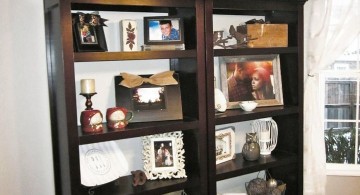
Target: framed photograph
x=225 y=144
x=251 y=78
x=88 y=32
x=164 y=156
x=163 y=30
x=150 y=102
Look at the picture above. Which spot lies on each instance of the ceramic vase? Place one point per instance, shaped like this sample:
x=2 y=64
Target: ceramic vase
x=251 y=149
x=91 y=121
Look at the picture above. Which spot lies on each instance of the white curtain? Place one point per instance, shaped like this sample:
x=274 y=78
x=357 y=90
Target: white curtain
x=330 y=26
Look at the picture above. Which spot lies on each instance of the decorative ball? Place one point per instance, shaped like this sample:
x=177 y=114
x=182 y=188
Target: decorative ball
x=271 y=183
x=273 y=191
x=257 y=187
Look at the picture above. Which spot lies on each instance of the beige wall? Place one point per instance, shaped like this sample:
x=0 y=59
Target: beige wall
x=337 y=185
x=26 y=165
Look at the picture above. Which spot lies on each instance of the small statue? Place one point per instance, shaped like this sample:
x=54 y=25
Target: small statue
x=251 y=149
x=139 y=177
x=218 y=39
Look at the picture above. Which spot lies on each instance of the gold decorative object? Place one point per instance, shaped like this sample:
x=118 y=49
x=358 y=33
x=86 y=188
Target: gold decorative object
x=161 y=79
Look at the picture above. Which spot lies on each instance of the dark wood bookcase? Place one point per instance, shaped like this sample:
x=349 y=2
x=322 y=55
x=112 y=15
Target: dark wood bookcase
x=195 y=65
x=286 y=161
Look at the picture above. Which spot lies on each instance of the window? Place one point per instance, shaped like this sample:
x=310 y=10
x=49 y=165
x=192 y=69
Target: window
x=341 y=112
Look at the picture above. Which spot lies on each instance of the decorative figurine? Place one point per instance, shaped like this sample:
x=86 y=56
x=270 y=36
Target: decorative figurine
x=251 y=149
x=139 y=177
x=218 y=39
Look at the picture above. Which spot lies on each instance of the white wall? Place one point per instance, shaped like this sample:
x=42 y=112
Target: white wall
x=25 y=142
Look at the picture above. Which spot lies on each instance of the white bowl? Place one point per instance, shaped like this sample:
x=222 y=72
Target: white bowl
x=248 y=105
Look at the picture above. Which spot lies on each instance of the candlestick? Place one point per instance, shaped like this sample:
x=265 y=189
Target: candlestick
x=88 y=102
x=87 y=86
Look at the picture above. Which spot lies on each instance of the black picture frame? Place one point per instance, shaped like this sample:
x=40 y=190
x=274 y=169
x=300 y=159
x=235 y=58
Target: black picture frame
x=152 y=30
x=95 y=36
x=169 y=106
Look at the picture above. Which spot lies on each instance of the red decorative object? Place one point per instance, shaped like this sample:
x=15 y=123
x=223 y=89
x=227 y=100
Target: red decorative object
x=91 y=121
x=118 y=117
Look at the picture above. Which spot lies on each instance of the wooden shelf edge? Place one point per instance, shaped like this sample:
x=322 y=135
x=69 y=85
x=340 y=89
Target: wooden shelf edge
x=136 y=55
x=239 y=166
x=254 y=51
x=267 y=5
x=123 y=185
x=168 y=3
x=137 y=130
x=238 y=115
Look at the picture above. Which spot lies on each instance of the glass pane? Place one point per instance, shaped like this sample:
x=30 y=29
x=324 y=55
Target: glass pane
x=340 y=98
x=344 y=65
x=340 y=142
x=349 y=59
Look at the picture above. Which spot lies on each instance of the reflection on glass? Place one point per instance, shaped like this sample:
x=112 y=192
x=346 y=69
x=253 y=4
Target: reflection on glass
x=148 y=98
x=340 y=142
x=348 y=60
x=340 y=98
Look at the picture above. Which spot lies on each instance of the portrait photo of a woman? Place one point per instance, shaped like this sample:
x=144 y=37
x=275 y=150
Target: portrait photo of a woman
x=261 y=85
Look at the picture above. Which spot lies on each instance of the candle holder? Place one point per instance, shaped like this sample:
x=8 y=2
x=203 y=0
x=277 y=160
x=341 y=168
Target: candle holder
x=88 y=102
x=90 y=119
x=267 y=131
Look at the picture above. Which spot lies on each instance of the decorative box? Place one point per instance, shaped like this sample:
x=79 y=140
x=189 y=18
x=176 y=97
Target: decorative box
x=267 y=35
x=129 y=35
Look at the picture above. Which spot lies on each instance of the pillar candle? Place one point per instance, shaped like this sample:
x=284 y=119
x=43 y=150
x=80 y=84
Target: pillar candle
x=87 y=85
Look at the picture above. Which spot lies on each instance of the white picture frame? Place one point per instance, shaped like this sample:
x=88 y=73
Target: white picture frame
x=225 y=144
x=164 y=156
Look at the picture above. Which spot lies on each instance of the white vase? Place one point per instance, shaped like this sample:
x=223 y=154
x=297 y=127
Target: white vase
x=220 y=101
x=267 y=132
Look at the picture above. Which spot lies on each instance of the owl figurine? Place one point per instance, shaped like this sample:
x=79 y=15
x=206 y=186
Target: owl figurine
x=251 y=149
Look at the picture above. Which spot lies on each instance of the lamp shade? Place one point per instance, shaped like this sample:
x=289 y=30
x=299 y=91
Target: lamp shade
x=267 y=131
